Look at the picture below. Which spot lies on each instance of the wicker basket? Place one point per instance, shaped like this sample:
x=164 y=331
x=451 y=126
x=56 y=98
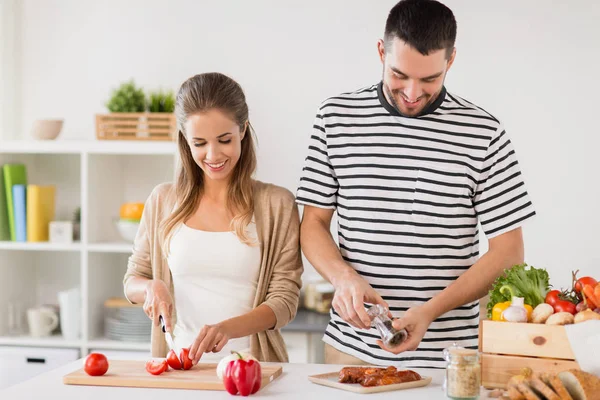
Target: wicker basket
x=136 y=126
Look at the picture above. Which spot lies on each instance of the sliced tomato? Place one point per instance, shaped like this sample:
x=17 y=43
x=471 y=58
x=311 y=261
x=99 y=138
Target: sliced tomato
x=185 y=358
x=173 y=360
x=96 y=364
x=157 y=366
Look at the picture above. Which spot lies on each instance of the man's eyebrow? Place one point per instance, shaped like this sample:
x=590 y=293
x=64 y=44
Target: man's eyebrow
x=396 y=70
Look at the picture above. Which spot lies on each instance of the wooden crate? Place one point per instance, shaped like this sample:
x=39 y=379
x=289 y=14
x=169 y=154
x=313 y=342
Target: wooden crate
x=508 y=347
x=136 y=126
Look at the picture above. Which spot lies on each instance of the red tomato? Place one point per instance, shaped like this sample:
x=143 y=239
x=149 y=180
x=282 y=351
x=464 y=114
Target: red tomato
x=566 y=306
x=96 y=364
x=173 y=361
x=157 y=366
x=185 y=359
x=581 y=282
x=552 y=297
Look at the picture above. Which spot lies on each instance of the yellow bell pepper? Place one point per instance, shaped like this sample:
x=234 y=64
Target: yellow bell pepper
x=529 y=311
x=500 y=307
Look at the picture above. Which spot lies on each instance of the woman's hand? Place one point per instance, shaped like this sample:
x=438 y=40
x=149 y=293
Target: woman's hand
x=158 y=302
x=212 y=338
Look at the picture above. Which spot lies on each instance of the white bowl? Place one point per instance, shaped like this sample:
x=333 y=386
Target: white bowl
x=127 y=229
x=46 y=129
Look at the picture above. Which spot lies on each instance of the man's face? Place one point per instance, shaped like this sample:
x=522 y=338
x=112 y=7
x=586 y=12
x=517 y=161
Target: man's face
x=412 y=81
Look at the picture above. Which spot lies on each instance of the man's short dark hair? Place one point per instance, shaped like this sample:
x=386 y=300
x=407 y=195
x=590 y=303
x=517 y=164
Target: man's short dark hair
x=425 y=25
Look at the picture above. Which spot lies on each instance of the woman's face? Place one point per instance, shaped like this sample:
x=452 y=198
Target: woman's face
x=215 y=141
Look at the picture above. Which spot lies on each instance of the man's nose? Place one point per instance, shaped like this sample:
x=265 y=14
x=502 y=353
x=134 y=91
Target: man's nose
x=412 y=91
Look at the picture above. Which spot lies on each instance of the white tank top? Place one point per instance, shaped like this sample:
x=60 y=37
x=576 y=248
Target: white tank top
x=214 y=278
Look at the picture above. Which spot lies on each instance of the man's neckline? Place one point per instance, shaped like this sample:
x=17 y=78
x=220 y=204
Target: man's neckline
x=392 y=110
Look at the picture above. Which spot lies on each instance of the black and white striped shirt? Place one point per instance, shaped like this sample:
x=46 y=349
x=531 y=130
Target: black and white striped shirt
x=409 y=193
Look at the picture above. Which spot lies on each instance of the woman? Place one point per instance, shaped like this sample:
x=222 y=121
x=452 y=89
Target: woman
x=217 y=253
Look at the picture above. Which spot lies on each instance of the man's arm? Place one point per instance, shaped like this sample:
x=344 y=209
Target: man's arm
x=351 y=290
x=504 y=251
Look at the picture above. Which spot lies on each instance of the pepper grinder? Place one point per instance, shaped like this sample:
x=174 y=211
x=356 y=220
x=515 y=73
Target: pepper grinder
x=389 y=335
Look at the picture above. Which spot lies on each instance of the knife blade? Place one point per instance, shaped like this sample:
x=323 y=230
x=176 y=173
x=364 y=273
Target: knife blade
x=169 y=339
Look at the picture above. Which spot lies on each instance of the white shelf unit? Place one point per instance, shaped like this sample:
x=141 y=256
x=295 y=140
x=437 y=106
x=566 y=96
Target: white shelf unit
x=97 y=176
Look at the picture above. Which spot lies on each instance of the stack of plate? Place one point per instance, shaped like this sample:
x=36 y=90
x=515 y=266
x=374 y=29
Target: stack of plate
x=126 y=324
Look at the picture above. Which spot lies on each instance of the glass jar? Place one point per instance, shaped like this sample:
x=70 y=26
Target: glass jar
x=389 y=335
x=463 y=373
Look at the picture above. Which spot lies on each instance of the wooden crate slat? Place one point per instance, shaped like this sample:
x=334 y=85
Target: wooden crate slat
x=496 y=370
x=536 y=340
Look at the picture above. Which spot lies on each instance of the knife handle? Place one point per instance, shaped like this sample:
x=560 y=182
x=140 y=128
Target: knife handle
x=162 y=324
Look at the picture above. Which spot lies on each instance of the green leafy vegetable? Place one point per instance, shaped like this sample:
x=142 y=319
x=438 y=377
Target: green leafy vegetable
x=523 y=281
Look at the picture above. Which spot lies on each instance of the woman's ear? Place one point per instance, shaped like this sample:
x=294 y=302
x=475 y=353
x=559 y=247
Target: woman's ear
x=244 y=129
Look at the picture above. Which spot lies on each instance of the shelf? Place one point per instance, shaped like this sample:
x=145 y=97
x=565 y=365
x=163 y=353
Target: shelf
x=117 y=247
x=105 y=344
x=40 y=246
x=87 y=146
x=49 y=341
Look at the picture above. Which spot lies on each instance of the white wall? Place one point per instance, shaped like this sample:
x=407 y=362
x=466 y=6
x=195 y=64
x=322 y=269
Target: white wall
x=532 y=65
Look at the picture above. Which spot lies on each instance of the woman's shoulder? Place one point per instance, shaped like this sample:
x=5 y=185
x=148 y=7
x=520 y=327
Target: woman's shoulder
x=162 y=195
x=268 y=193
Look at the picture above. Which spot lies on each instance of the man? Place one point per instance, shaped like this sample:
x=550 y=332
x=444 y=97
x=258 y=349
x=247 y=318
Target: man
x=411 y=169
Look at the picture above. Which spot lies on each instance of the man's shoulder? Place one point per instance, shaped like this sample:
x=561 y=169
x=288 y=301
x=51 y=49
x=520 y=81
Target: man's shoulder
x=455 y=104
x=367 y=93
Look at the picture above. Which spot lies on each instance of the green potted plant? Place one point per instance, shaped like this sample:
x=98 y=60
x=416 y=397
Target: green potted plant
x=134 y=116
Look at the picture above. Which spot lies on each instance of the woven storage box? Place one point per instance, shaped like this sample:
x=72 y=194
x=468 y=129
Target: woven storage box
x=136 y=126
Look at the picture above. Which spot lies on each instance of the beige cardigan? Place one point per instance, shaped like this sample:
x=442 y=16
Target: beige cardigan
x=279 y=282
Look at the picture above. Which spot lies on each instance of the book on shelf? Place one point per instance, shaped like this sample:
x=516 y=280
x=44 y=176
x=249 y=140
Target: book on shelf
x=19 y=207
x=4 y=228
x=14 y=174
x=40 y=211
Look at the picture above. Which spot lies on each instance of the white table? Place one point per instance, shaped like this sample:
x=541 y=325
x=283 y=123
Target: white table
x=292 y=384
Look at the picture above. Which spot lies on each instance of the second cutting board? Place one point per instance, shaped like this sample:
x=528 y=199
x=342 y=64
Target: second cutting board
x=126 y=373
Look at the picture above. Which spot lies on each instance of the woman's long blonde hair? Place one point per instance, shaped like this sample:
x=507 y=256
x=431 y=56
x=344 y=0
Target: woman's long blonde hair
x=198 y=94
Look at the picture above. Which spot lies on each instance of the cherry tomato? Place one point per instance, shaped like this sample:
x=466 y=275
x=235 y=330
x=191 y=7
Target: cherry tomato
x=173 y=361
x=552 y=297
x=581 y=282
x=96 y=364
x=157 y=366
x=185 y=358
x=566 y=306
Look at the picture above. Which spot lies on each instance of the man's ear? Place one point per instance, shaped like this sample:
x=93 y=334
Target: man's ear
x=381 y=50
x=451 y=59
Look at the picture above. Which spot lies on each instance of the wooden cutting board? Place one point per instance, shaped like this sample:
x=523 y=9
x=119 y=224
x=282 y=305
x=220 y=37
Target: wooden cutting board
x=331 y=379
x=133 y=374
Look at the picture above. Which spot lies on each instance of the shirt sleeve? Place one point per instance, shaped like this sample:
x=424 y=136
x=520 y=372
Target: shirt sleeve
x=318 y=183
x=501 y=200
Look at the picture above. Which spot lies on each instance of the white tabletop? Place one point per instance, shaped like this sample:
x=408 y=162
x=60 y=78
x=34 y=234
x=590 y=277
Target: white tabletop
x=292 y=384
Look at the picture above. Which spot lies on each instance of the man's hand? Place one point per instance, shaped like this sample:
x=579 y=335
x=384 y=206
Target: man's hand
x=416 y=321
x=351 y=292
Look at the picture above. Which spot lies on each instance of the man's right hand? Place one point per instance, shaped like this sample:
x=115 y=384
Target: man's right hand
x=351 y=292
x=158 y=302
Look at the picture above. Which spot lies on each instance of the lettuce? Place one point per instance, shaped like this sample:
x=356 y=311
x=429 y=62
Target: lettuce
x=525 y=281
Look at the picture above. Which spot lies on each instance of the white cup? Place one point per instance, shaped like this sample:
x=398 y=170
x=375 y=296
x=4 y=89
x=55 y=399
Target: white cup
x=42 y=321
x=69 y=302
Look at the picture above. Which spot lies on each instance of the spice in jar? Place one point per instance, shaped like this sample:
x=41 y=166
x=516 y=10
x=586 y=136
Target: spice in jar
x=390 y=336
x=463 y=373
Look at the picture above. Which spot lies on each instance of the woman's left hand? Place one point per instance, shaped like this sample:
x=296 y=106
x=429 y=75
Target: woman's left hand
x=211 y=339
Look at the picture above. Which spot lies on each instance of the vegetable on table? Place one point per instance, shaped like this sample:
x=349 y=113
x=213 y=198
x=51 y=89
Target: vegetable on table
x=525 y=281
x=586 y=315
x=541 y=313
x=242 y=376
x=96 y=364
x=560 y=318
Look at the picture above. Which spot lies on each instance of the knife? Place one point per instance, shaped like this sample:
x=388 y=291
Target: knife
x=169 y=339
